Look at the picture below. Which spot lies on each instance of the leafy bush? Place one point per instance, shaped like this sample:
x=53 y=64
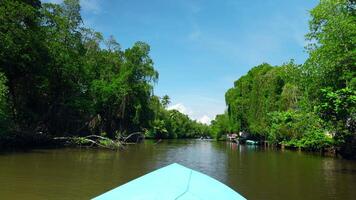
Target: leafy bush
x=285 y=126
x=338 y=108
x=298 y=129
x=313 y=141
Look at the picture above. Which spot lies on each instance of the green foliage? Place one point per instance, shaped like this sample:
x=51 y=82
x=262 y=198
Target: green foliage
x=172 y=123
x=61 y=78
x=313 y=141
x=339 y=109
x=106 y=143
x=337 y=106
x=3 y=94
x=159 y=130
x=331 y=66
x=58 y=77
x=298 y=129
x=263 y=90
x=4 y=112
x=220 y=126
x=80 y=141
x=288 y=105
x=122 y=87
x=332 y=49
x=22 y=52
x=165 y=100
x=291 y=124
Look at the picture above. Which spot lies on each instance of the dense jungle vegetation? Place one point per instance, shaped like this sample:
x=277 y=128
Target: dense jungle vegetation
x=60 y=78
x=310 y=106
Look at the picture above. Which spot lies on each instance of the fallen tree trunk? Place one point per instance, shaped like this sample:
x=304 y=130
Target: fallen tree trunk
x=93 y=140
x=131 y=138
x=102 y=142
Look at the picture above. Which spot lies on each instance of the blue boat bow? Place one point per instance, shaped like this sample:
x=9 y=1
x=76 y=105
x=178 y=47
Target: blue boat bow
x=172 y=182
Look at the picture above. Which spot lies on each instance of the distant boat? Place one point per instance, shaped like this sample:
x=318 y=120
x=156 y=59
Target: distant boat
x=172 y=182
x=251 y=142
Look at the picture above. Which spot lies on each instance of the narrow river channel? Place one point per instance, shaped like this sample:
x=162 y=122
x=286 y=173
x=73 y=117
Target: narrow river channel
x=256 y=173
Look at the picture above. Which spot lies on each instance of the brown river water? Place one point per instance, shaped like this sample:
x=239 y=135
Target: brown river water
x=254 y=172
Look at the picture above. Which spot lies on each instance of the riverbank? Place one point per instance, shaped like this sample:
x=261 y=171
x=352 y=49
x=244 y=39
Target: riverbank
x=23 y=141
x=41 y=141
x=33 y=141
x=329 y=151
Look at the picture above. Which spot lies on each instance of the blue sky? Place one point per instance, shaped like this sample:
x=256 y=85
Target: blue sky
x=200 y=47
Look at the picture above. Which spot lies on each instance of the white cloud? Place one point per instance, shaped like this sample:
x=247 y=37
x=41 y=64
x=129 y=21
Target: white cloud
x=204 y=120
x=181 y=108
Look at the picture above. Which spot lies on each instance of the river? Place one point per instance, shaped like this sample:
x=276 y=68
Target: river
x=254 y=172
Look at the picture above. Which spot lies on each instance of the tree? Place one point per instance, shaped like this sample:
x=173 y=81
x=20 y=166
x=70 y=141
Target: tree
x=332 y=49
x=66 y=90
x=4 y=122
x=62 y=80
x=165 y=101
x=263 y=90
x=221 y=126
x=331 y=67
x=339 y=108
x=22 y=57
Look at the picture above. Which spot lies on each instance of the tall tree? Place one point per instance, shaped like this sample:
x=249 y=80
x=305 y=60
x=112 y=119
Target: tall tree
x=332 y=48
x=166 y=101
x=22 y=57
x=332 y=67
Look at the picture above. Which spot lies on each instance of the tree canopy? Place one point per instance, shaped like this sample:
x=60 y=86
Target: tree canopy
x=58 y=78
x=310 y=105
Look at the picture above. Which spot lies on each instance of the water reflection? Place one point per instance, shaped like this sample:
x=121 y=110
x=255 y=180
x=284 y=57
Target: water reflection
x=257 y=173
